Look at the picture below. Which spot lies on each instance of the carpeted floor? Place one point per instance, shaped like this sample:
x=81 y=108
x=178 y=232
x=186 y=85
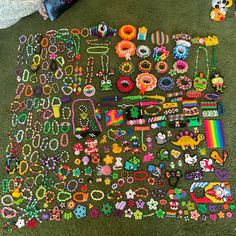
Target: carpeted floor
x=171 y=16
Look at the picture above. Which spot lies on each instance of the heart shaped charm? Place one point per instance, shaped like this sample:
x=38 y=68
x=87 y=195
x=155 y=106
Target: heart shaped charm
x=212 y=207
x=222 y=175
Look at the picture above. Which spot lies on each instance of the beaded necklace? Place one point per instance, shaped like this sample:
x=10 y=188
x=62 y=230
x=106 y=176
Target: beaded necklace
x=197 y=61
x=200 y=81
x=89 y=70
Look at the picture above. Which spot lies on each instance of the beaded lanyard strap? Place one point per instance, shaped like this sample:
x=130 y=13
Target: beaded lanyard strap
x=197 y=60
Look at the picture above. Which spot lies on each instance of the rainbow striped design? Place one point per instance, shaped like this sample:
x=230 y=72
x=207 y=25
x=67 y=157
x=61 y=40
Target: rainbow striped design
x=171 y=214
x=214 y=133
x=189 y=103
x=159 y=38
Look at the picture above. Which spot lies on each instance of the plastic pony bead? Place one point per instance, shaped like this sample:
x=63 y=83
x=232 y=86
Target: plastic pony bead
x=102 y=30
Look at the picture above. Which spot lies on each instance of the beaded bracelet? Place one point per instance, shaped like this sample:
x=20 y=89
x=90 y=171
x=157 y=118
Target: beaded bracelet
x=37 y=137
x=9 y=202
x=81 y=194
x=95 y=50
x=44 y=144
x=36 y=180
x=25 y=190
x=19 y=136
x=180 y=67
x=97 y=192
x=126 y=68
x=166 y=83
x=38 y=127
x=158 y=110
x=64 y=110
x=22 y=118
x=53 y=195
x=25 y=76
x=64 y=140
x=180 y=52
x=47 y=114
x=66 y=195
x=143 y=51
x=141 y=195
x=47 y=127
x=187 y=82
x=28 y=153
x=63 y=158
x=11 y=213
x=32 y=156
x=57 y=130
x=42 y=79
x=160 y=53
x=73 y=181
x=145 y=66
x=56 y=143
x=161 y=67
x=21 y=172
x=41 y=188
x=29 y=90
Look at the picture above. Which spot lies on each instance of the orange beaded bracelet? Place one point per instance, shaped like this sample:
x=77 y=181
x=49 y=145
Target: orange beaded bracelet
x=127 y=32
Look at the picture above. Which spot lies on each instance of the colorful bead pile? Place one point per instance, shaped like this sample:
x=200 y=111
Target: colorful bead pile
x=79 y=147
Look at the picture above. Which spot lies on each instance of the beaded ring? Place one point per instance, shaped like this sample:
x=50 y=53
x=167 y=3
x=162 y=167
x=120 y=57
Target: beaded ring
x=145 y=66
x=161 y=67
x=143 y=51
x=166 y=83
x=187 y=82
x=180 y=67
x=126 y=68
x=125 y=84
x=125 y=49
x=146 y=82
x=180 y=52
x=160 y=53
x=127 y=32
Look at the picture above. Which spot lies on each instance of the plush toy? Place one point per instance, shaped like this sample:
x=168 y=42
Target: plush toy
x=218 y=14
x=221 y=3
x=220 y=8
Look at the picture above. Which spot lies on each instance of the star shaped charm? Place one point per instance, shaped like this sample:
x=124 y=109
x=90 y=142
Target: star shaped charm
x=20 y=223
x=130 y=194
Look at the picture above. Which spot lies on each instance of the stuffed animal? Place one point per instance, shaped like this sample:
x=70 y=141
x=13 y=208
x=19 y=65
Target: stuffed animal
x=220 y=8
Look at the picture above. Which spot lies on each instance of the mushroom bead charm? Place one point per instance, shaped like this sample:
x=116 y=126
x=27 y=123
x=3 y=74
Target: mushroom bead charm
x=78 y=148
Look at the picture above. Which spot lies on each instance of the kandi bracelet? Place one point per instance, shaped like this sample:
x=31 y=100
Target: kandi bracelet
x=126 y=68
x=184 y=82
x=166 y=83
x=180 y=67
x=125 y=84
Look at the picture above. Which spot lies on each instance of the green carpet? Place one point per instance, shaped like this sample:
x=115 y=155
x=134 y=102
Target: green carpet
x=188 y=16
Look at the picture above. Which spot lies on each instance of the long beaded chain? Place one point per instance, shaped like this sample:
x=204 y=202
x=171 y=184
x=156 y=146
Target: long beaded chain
x=213 y=60
x=89 y=70
x=197 y=60
x=77 y=70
